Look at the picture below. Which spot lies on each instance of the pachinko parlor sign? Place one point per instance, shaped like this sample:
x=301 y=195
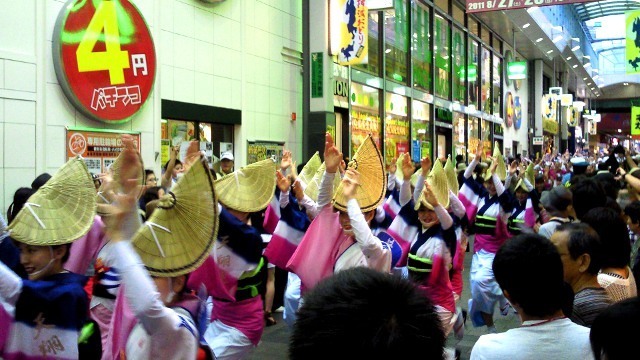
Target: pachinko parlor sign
x=104 y=58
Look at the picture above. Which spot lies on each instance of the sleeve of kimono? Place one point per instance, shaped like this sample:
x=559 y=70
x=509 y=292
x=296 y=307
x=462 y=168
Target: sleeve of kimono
x=284 y=199
x=500 y=188
x=405 y=193
x=311 y=206
x=472 y=166
x=370 y=245
x=141 y=292
x=456 y=205
x=443 y=215
x=391 y=181
x=10 y=285
x=325 y=193
x=419 y=187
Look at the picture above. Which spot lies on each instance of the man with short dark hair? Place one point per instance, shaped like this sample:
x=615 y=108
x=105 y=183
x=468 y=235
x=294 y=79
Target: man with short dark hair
x=529 y=271
x=361 y=313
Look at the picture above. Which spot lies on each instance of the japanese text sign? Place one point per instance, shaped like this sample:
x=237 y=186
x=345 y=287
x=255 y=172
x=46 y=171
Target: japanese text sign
x=98 y=148
x=104 y=58
x=474 y=6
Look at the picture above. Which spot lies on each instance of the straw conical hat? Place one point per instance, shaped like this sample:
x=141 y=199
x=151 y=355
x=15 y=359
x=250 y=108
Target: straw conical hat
x=61 y=211
x=439 y=185
x=182 y=229
x=313 y=187
x=501 y=169
x=114 y=170
x=310 y=168
x=373 y=182
x=530 y=175
x=248 y=189
x=452 y=177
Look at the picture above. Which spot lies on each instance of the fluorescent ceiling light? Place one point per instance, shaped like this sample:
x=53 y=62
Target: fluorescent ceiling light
x=538 y=40
x=587 y=65
x=619 y=130
x=387 y=51
x=575 y=66
x=586 y=56
x=588 y=83
x=526 y=25
x=549 y=52
x=569 y=58
x=577 y=47
x=625 y=84
x=584 y=78
x=557 y=38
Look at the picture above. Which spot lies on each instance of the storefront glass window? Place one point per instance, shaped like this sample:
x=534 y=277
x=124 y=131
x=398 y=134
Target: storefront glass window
x=497 y=86
x=485 y=81
x=458 y=135
x=373 y=67
x=420 y=130
x=459 y=63
x=396 y=127
x=473 y=133
x=215 y=138
x=472 y=73
x=421 y=47
x=442 y=50
x=396 y=41
x=365 y=118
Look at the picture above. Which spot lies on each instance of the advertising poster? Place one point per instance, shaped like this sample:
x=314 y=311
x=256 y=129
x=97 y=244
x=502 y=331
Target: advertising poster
x=98 y=148
x=260 y=150
x=349 y=31
x=397 y=138
x=363 y=124
x=104 y=58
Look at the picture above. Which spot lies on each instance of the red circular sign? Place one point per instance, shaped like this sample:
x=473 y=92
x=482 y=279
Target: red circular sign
x=104 y=58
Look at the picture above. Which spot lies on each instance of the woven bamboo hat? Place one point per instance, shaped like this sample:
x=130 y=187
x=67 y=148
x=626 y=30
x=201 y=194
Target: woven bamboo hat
x=501 y=169
x=114 y=171
x=313 y=187
x=61 y=211
x=452 y=177
x=309 y=170
x=439 y=185
x=183 y=228
x=248 y=189
x=373 y=182
x=530 y=175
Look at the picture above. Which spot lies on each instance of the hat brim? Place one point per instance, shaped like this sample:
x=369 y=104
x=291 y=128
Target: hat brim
x=183 y=228
x=249 y=189
x=61 y=211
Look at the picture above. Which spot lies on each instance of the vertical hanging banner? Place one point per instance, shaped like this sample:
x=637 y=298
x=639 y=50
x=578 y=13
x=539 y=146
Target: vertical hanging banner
x=635 y=120
x=632 y=35
x=349 y=31
x=104 y=58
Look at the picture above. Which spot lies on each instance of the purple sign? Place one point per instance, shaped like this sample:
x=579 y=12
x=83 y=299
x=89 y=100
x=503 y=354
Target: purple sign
x=474 y=6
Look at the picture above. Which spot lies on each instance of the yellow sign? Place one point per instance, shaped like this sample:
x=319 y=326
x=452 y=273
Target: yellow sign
x=349 y=32
x=548 y=107
x=632 y=34
x=550 y=126
x=635 y=120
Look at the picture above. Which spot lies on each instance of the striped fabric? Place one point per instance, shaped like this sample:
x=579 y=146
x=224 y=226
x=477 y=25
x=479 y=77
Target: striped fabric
x=291 y=227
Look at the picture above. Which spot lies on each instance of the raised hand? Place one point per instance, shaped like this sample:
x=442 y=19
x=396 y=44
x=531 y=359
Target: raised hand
x=479 y=151
x=494 y=164
x=429 y=195
x=407 y=167
x=282 y=182
x=297 y=190
x=425 y=165
x=513 y=167
x=332 y=156
x=392 y=167
x=350 y=183
x=286 y=160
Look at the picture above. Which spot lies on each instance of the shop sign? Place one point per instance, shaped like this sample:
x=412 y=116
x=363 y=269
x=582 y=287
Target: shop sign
x=516 y=70
x=349 y=31
x=550 y=126
x=104 y=58
x=260 y=150
x=632 y=50
x=340 y=88
x=538 y=140
x=317 y=74
x=474 y=6
x=98 y=148
x=635 y=120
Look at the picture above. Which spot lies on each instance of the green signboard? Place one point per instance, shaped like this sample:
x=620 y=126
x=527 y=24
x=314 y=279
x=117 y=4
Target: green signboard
x=317 y=74
x=517 y=70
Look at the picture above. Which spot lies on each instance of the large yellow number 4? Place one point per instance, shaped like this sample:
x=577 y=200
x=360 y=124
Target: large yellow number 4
x=113 y=59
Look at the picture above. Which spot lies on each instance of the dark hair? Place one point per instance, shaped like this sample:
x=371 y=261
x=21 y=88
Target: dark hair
x=587 y=194
x=615 y=330
x=40 y=180
x=633 y=212
x=19 y=198
x=529 y=268
x=178 y=162
x=609 y=184
x=66 y=255
x=148 y=172
x=364 y=313
x=612 y=229
x=583 y=240
x=459 y=158
x=151 y=194
x=300 y=167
